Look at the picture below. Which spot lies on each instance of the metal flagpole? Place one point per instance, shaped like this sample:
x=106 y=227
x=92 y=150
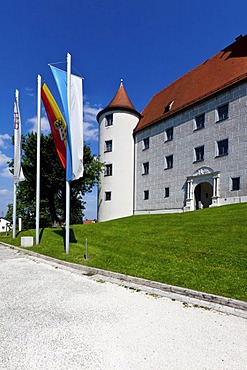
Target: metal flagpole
x=15 y=184
x=38 y=158
x=67 y=182
x=14 y=213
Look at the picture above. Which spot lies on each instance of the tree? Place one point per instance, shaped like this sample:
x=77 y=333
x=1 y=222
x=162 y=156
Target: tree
x=52 y=184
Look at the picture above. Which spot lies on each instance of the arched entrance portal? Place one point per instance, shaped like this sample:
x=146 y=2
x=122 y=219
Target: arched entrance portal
x=203 y=195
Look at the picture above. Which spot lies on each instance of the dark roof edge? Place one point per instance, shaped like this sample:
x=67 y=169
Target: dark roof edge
x=212 y=92
x=109 y=109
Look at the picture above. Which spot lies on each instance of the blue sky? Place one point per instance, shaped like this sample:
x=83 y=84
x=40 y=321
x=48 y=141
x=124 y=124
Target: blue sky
x=148 y=43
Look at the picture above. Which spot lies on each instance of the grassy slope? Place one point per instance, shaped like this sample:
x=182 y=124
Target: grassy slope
x=204 y=250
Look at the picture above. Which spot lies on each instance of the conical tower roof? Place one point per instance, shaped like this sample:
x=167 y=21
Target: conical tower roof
x=120 y=101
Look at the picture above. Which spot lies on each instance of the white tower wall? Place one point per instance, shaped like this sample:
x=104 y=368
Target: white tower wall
x=120 y=184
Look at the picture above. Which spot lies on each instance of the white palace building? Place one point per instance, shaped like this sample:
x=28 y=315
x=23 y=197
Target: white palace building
x=188 y=147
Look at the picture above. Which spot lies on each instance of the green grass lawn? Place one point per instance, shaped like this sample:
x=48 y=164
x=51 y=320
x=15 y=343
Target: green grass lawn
x=205 y=250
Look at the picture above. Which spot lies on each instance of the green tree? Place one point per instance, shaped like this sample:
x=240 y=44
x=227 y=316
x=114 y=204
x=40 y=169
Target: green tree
x=52 y=184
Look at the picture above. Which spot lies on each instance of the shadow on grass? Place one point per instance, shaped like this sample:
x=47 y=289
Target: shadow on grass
x=41 y=233
x=61 y=232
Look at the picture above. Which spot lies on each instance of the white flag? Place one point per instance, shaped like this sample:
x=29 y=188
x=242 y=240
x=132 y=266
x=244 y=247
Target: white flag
x=18 y=173
x=76 y=127
x=74 y=120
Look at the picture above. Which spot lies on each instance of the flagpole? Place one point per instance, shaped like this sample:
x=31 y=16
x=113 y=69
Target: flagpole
x=67 y=182
x=38 y=158
x=15 y=184
x=14 y=213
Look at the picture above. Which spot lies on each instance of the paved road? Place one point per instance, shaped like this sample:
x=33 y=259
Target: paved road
x=55 y=318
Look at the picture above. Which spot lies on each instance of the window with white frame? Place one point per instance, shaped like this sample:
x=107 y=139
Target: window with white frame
x=168 y=107
x=108 y=146
x=167 y=192
x=235 y=183
x=145 y=168
x=146 y=194
x=107 y=195
x=146 y=143
x=199 y=153
x=200 y=122
x=169 y=162
x=223 y=112
x=108 y=170
x=222 y=148
x=109 y=120
x=169 y=134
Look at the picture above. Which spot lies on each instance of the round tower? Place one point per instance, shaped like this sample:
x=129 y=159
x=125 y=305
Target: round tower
x=116 y=150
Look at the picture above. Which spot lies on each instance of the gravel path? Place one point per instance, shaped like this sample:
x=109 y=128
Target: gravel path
x=53 y=318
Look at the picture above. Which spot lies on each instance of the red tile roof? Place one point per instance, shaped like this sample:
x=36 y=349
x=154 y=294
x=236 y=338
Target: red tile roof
x=224 y=69
x=88 y=222
x=120 y=101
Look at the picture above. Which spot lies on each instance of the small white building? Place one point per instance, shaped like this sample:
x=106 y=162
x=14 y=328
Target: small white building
x=4 y=225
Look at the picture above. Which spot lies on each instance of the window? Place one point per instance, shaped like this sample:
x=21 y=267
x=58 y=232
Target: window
x=169 y=162
x=146 y=143
x=108 y=170
x=108 y=195
x=169 y=134
x=168 y=107
x=200 y=122
x=223 y=112
x=236 y=183
x=167 y=192
x=109 y=120
x=222 y=147
x=146 y=195
x=108 y=146
x=199 y=154
x=146 y=168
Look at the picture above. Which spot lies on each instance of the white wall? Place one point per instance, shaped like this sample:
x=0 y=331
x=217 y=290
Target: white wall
x=120 y=184
x=3 y=225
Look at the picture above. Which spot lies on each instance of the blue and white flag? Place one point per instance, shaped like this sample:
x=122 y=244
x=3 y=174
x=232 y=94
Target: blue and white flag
x=74 y=119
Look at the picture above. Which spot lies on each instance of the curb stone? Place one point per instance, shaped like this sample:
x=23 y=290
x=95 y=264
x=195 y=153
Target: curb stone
x=187 y=296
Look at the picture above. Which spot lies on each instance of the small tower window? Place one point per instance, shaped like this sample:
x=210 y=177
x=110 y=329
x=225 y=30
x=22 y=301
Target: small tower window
x=108 y=146
x=108 y=170
x=109 y=120
x=108 y=195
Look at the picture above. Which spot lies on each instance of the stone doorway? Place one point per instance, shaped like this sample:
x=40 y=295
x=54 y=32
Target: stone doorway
x=203 y=195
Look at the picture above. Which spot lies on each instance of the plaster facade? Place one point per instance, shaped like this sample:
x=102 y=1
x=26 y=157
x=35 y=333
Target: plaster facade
x=193 y=183
x=116 y=150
